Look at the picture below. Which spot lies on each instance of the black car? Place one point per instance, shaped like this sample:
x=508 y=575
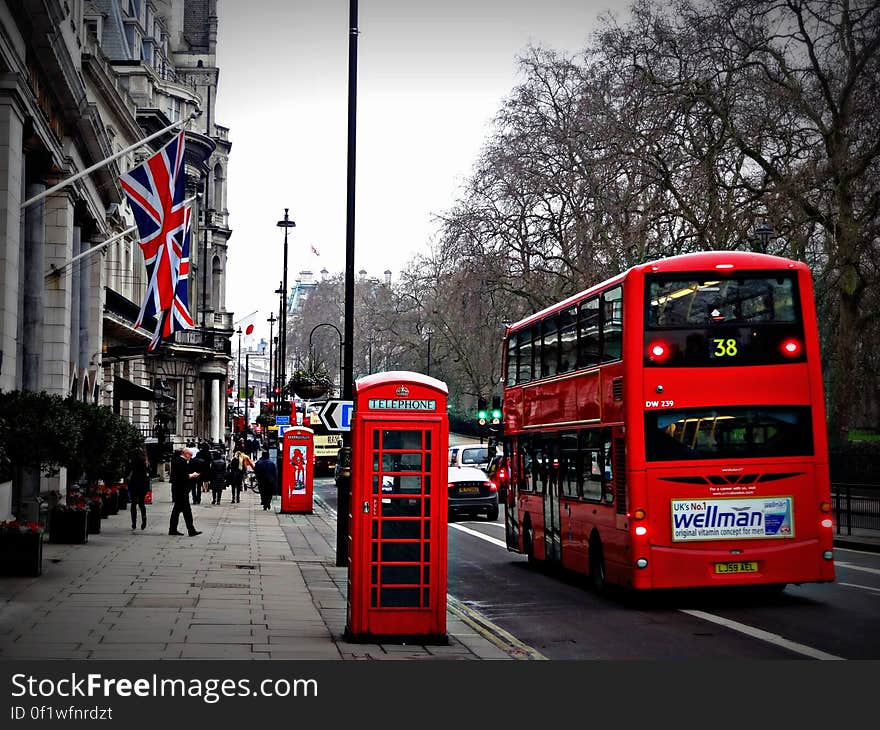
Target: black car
x=472 y=492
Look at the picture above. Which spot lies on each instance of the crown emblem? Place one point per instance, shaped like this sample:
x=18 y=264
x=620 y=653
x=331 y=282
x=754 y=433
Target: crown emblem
x=402 y=391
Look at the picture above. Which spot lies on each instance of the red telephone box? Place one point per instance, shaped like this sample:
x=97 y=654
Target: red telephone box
x=297 y=471
x=398 y=510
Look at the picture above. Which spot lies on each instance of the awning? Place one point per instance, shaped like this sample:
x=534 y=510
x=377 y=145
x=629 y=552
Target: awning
x=124 y=389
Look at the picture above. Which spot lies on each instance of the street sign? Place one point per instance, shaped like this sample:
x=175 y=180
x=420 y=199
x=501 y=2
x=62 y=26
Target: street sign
x=282 y=420
x=336 y=415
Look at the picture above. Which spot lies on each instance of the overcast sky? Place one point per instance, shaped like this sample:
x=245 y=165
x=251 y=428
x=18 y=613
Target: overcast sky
x=430 y=76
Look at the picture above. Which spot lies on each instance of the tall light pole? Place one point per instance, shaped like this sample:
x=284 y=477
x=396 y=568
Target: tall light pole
x=271 y=320
x=286 y=224
x=238 y=374
x=343 y=484
x=247 y=398
x=428 y=332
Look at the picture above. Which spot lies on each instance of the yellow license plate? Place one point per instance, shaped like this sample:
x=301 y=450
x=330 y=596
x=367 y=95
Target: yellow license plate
x=749 y=567
x=468 y=490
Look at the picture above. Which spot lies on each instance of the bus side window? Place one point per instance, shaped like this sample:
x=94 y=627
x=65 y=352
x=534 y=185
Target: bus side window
x=608 y=471
x=612 y=325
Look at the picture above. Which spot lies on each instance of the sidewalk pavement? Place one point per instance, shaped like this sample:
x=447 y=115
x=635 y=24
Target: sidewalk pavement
x=254 y=585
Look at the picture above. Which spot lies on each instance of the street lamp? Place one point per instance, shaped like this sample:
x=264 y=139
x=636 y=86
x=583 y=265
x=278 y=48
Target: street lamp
x=328 y=324
x=764 y=233
x=280 y=292
x=286 y=224
x=428 y=332
x=247 y=398
x=271 y=320
x=238 y=374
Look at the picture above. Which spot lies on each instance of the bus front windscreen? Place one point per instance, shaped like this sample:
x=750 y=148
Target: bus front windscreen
x=715 y=321
x=728 y=433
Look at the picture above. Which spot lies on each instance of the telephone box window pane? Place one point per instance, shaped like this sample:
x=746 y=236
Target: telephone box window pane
x=401 y=529
x=427 y=440
x=410 y=462
x=375 y=462
x=426 y=596
x=428 y=481
x=411 y=485
x=427 y=501
x=427 y=524
x=411 y=440
x=400 y=552
x=400 y=597
x=426 y=574
x=375 y=530
x=375 y=485
x=402 y=507
x=374 y=552
x=374 y=574
x=427 y=556
x=400 y=574
x=374 y=598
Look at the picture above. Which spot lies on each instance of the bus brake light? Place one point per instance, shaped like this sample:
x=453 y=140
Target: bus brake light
x=659 y=351
x=791 y=347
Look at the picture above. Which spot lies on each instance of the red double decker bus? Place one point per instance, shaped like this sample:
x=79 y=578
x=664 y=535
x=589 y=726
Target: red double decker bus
x=666 y=428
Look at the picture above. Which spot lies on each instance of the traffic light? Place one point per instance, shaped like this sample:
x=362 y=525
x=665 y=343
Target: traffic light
x=482 y=411
x=496 y=409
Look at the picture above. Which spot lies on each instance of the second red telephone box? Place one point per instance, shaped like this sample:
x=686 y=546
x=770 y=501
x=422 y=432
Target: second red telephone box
x=398 y=510
x=297 y=471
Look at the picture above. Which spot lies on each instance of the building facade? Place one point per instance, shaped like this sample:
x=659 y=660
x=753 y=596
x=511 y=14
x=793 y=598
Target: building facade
x=80 y=82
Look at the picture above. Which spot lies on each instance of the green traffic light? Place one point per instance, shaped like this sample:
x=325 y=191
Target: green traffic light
x=496 y=413
x=481 y=414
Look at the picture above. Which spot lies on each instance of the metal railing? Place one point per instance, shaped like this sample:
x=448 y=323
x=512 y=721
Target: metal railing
x=856 y=506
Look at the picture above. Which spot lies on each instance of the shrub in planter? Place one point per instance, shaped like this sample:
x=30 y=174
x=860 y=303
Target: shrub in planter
x=69 y=523
x=21 y=548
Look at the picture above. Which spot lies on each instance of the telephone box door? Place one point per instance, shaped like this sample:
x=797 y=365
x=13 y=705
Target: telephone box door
x=297 y=473
x=399 y=512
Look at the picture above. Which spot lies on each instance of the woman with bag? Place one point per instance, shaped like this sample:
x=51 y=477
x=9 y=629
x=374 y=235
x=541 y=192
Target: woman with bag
x=138 y=486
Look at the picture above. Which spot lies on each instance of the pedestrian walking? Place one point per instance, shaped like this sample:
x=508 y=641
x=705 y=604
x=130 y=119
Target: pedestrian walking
x=204 y=464
x=236 y=471
x=138 y=482
x=267 y=478
x=183 y=475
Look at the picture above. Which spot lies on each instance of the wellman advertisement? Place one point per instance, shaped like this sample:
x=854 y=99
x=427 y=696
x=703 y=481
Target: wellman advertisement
x=732 y=519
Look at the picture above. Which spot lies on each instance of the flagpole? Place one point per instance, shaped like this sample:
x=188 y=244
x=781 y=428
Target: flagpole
x=108 y=160
x=100 y=246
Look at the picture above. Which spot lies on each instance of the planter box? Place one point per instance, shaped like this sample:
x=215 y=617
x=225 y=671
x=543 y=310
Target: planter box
x=94 y=520
x=105 y=507
x=123 y=497
x=21 y=554
x=69 y=526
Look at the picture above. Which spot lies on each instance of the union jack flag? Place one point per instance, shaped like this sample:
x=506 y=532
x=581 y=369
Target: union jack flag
x=155 y=190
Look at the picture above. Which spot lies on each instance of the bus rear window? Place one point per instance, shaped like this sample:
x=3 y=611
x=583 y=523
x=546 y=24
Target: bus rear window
x=694 y=321
x=728 y=433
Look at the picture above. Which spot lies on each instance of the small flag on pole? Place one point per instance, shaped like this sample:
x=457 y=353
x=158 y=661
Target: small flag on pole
x=155 y=190
x=315 y=251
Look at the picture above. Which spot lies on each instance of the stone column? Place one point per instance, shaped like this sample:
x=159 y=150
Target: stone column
x=57 y=303
x=11 y=167
x=76 y=366
x=215 y=410
x=33 y=270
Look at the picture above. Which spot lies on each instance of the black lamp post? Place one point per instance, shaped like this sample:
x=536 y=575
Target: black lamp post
x=280 y=292
x=247 y=398
x=764 y=233
x=286 y=224
x=428 y=332
x=271 y=320
x=238 y=374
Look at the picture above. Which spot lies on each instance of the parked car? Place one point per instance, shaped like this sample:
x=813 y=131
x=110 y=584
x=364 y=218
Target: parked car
x=472 y=492
x=499 y=473
x=474 y=454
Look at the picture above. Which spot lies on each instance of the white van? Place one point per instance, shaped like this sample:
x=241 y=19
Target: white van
x=474 y=454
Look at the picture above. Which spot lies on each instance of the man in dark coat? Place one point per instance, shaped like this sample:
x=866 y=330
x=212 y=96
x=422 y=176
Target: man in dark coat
x=183 y=475
x=203 y=463
x=267 y=477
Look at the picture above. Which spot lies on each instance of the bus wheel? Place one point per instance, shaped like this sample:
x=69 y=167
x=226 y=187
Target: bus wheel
x=597 y=567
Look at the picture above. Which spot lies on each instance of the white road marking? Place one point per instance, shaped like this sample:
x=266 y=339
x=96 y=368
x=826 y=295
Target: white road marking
x=856 y=585
x=852 y=566
x=475 y=533
x=762 y=635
